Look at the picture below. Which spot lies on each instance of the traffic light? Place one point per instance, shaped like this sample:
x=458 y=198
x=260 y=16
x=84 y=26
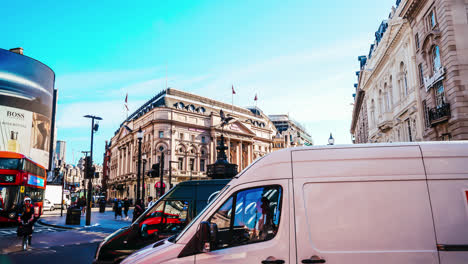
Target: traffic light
x=96 y=174
x=88 y=168
x=154 y=173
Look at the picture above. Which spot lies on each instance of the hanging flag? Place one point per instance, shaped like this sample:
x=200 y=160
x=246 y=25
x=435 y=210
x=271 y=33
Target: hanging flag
x=233 y=92
x=126 y=101
x=255 y=99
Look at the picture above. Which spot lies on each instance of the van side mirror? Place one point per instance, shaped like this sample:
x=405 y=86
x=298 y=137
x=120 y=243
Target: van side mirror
x=204 y=236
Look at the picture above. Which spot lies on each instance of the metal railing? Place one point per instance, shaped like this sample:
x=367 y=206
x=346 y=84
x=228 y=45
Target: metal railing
x=439 y=114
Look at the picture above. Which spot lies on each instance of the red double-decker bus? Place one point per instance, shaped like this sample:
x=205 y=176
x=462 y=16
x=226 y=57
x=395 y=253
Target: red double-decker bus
x=19 y=176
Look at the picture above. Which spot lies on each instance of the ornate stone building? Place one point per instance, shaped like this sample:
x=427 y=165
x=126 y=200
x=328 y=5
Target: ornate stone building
x=186 y=128
x=290 y=133
x=387 y=94
x=439 y=37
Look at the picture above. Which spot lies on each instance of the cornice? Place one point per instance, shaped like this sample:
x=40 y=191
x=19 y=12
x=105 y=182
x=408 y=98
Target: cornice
x=384 y=58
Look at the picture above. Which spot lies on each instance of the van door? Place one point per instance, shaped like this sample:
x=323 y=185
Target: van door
x=253 y=226
x=447 y=174
x=362 y=205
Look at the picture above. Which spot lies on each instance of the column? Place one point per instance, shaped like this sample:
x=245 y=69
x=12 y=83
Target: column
x=249 y=153
x=241 y=152
x=228 y=142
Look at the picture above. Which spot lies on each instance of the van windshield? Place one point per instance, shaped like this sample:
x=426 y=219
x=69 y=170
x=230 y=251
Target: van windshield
x=201 y=213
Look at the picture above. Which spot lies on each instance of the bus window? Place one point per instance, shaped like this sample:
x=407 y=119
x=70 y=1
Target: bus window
x=36 y=195
x=9 y=164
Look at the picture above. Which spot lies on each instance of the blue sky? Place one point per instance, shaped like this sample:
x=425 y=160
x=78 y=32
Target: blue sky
x=299 y=56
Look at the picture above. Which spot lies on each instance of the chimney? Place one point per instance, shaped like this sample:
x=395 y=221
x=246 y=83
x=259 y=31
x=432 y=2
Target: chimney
x=17 y=50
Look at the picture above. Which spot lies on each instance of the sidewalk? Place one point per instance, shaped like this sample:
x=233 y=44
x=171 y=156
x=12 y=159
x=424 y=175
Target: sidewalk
x=104 y=220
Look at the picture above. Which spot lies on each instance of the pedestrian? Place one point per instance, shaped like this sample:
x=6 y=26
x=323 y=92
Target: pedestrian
x=83 y=205
x=26 y=222
x=126 y=207
x=118 y=209
x=150 y=202
x=138 y=210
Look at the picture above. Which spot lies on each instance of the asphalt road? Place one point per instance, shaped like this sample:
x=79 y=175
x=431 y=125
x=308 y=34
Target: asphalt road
x=70 y=254
x=51 y=245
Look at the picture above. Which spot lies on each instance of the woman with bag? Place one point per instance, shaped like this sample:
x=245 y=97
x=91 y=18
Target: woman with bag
x=26 y=223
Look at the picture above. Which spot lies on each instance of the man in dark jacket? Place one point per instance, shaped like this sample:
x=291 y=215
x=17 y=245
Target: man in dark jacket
x=126 y=204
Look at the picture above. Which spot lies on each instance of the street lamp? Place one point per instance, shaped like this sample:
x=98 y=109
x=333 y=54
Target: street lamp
x=143 y=179
x=140 y=137
x=331 y=140
x=94 y=128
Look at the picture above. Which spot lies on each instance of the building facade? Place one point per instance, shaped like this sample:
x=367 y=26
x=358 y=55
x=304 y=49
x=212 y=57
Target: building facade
x=388 y=87
x=360 y=123
x=290 y=133
x=186 y=128
x=439 y=34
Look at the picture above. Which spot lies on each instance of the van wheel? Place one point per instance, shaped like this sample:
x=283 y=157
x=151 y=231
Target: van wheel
x=52 y=208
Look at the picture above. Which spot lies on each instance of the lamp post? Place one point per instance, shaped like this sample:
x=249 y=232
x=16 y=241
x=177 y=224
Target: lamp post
x=140 y=137
x=331 y=140
x=94 y=128
x=143 y=179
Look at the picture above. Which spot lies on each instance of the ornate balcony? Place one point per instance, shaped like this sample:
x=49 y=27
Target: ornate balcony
x=438 y=115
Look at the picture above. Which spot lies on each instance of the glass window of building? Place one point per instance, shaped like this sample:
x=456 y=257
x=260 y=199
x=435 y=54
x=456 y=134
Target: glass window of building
x=202 y=165
x=181 y=163
x=439 y=95
x=192 y=164
x=432 y=19
x=421 y=74
x=161 y=134
x=436 y=58
x=181 y=135
x=203 y=139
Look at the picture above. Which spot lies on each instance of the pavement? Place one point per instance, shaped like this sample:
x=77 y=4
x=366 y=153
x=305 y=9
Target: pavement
x=100 y=222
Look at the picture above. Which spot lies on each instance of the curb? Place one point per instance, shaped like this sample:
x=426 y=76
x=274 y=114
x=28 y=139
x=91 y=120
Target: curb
x=56 y=226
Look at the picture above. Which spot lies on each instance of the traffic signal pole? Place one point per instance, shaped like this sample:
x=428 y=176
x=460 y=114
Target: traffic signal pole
x=90 y=182
x=161 y=192
x=88 y=172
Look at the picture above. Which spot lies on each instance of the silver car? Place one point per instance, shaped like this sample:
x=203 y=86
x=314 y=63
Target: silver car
x=48 y=205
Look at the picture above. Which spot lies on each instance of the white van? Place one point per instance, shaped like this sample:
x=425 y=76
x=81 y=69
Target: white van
x=379 y=204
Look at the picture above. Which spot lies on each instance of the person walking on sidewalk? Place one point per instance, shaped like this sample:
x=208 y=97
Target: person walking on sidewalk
x=138 y=210
x=126 y=204
x=118 y=209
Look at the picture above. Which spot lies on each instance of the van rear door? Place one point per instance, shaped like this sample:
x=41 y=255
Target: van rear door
x=447 y=173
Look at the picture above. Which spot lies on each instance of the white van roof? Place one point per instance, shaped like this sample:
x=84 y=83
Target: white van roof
x=279 y=165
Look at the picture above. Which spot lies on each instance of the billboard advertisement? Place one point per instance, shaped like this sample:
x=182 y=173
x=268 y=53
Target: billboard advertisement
x=26 y=98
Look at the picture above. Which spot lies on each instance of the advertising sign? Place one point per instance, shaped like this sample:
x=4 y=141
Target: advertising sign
x=26 y=96
x=36 y=181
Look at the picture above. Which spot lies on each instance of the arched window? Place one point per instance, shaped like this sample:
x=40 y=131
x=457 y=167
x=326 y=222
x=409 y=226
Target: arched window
x=191 y=108
x=436 y=58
